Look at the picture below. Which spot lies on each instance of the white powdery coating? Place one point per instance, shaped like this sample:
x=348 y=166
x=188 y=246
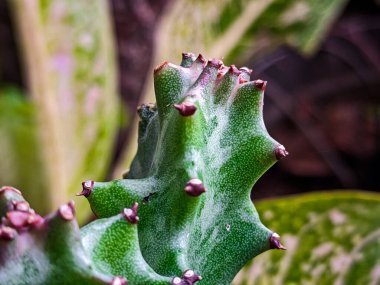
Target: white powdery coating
x=217 y=161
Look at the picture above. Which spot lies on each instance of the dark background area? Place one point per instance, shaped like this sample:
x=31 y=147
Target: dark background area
x=326 y=109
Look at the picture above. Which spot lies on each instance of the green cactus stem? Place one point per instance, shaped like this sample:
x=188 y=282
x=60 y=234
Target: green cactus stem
x=183 y=213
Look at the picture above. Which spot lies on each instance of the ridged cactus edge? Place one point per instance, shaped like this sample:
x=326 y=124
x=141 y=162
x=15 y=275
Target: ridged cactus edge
x=182 y=214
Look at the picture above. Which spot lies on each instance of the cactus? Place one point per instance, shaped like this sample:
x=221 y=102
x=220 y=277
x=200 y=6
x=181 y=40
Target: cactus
x=182 y=213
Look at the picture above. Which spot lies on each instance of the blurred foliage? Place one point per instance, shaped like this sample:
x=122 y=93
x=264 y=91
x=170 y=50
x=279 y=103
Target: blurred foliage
x=238 y=29
x=331 y=238
x=55 y=137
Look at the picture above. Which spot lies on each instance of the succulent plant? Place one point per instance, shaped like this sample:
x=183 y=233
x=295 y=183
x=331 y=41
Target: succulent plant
x=182 y=214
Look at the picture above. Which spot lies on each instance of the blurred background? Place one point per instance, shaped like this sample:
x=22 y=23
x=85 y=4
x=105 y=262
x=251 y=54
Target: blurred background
x=72 y=74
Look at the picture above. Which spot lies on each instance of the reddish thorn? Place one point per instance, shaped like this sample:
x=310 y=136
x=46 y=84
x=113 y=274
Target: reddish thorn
x=222 y=71
x=87 y=187
x=186 y=55
x=246 y=69
x=119 y=281
x=131 y=214
x=22 y=206
x=38 y=221
x=274 y=242
x=9 y=188
x=7 y=233
x=20 y=219
x=176 y=281
x=215 y=63
x=201 y=59
x=234 y=70
x=160 y=66
x=189 y=277
x=66 y=211
x=195 y=187
x=260 y=84
x=242 y=80
x=186 y=108
x=280 y=152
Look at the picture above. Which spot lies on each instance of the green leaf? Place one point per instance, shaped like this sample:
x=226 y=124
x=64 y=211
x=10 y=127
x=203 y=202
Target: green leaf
x=238 y=29
x=331 y=238
x=69 y=61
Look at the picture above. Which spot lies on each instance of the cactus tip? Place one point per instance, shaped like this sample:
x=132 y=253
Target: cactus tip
x=242 y=80
x=201 y=59
x=215 y=63
x=280 y=152
x=9 y=188
x=87 y=187
x=246 y=69
x=195 y=187
x=7 y=233
x=160 y=66
x=186 y=55
x=234 y=70
x=66 y=211
x=186 y=109
x=260 y=84
x=189 y=277
x=19 y=219
x=119 y=280
x=22 y=206
x=130 y=214
x=274 y=242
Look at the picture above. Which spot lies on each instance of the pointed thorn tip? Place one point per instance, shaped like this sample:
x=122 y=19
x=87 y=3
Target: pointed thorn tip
x=234 y=70
x=186 y=109
x=66 y=211
x=186 y=55
x=280 y=152
x=160 y=66
x=201 y=59
x=119 y=281
x=274 y=242
x=260 y=84
x=215 y=63
x=130 y=214
x=242 y=80
x=195 y=187
x=87 y=187
x=20 y=219
x=22 y=206
x=10 y=188
x=189 y=277
x=7 y=233
x=246 y=69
